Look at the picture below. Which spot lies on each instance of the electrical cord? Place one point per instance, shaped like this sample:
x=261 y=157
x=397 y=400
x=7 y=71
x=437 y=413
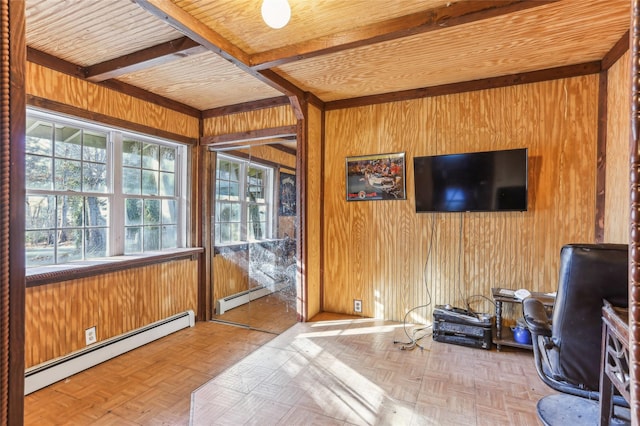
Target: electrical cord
x=413 y=340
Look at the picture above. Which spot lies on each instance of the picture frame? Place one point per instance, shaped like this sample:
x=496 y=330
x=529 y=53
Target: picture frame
x=376 y=177
x=287 y=195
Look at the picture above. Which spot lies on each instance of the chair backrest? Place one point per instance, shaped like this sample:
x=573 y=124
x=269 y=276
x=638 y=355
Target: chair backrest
x=589 y=273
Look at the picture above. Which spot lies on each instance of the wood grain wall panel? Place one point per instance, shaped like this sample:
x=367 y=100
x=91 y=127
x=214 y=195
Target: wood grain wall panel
x=230 y=273
x=115 y=303
x=56 y=86
x=250 y=120
x=49 y=84
x=616 y=227
x=271 y=154
x=396 y=260
x=314 y=199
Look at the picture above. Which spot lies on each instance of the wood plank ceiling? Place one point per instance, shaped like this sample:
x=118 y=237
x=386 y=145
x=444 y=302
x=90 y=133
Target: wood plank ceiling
x=206 y=54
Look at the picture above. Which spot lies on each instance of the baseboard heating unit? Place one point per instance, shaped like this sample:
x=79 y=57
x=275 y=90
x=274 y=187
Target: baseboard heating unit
x=42 y=375
x=235 y=300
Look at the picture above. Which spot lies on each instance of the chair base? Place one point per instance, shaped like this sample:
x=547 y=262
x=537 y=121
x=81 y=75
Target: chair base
x=554 y=410
x=564 y=410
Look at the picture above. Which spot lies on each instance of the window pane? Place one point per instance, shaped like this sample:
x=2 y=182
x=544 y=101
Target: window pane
x=256 y=230
x=70 y=211
x=169 y=236
x=97 y=211
x=234 y=191
x=131 y=153
x=149 y=182
x=69 y=245
x=40 y=212
x=68 y=142
x=234 y=170
x=131 y=181
x=227 y=212
x=38 y=137
x=151 y=238
x=40 y=246
x=151 y=212
x=96 y=242
x=222 y=190
x=235 y=213
x=150 y=154
x=167 y=159
x=224 y=233
x=38 y=172
x=167 y=184
x=95 y=147
x=94 y=177
x=68 y=175
x=222 y=171
x=169 y=212
x=256 y=194
x=133 y=240
x=235 y=232
x=216 y=232
x=133 y=211
x=255 y=213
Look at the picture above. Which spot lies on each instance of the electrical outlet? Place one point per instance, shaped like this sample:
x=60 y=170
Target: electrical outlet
x=357 y=305
x=90 y=335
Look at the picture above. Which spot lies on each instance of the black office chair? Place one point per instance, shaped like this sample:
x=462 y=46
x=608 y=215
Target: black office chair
x=567 y=346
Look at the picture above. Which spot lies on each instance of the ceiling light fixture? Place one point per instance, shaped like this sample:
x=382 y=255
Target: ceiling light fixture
x=276 y=13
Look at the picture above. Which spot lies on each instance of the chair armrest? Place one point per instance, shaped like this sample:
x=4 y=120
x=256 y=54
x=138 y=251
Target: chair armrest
x=535 y=315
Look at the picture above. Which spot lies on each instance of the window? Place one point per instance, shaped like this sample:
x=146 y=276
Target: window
x=149 y=179
x=94 y=192
x=244 y=206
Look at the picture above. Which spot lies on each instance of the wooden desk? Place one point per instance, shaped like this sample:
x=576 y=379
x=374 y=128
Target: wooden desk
x=614 y=373
x=505 y=337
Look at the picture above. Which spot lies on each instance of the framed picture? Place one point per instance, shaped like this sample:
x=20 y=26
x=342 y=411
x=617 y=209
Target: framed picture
x=376 y=177
x=287 y=195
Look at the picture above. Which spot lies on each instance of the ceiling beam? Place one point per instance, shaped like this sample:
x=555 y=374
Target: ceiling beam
x=49 y=61
x=181 y=20
x=190 y=26
x=245 y=107
x=142 y=59
x=447 y=16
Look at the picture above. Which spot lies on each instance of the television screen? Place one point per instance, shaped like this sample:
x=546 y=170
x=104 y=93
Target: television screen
x=477 y=181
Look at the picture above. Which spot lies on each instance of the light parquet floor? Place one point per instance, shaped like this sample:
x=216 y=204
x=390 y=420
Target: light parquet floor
x=334 y=371
x=350 y=372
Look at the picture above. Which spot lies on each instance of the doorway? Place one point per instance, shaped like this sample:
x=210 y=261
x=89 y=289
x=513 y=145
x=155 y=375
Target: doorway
x=254 y=227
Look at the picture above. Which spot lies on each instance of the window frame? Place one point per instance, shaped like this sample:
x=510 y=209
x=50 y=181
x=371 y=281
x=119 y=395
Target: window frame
x=243 y=200
x=114 y=191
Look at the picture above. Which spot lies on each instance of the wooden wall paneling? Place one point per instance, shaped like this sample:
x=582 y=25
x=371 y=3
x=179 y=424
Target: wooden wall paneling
x=336 y=230
x=470 y=252
x=616 y=228
x=315 y=199
x=231 y=273
x=115 y=303
x=56 y=86
x=250 y=120
x=120 y=105
x=273 y=155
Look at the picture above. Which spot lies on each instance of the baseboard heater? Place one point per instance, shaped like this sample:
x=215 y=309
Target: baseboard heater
x=235 y=300
x=42 y=375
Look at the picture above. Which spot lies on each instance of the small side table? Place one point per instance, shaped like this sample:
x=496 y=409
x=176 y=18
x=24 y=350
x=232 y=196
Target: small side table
x=615 y=359
x=500 y=296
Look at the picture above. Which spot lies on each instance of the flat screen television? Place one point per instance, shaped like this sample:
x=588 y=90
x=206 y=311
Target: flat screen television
x=472 y=182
